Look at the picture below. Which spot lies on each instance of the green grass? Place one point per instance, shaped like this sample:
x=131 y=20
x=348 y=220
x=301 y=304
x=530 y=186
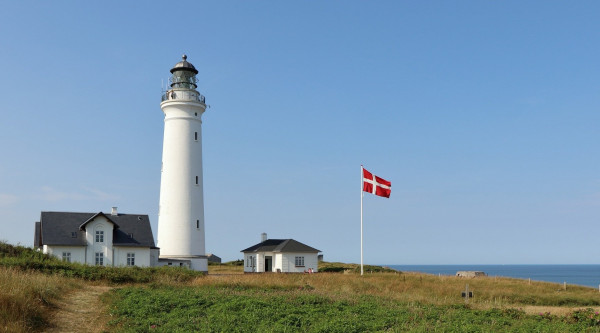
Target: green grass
x=32 y=282
x=254 y=309
x=179 y=300
x=338 y=267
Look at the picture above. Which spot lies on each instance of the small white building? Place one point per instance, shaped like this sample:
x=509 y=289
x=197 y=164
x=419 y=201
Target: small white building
x=280 y=255
x=97 y=238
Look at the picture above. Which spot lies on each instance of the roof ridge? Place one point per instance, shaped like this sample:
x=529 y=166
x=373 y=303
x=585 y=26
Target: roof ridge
x=96 y=215
x=281 y=245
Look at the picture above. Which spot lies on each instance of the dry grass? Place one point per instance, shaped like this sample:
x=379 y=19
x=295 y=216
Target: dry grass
x=489 y=292
x=225 y=269
x=80 y=311
x=26 y=298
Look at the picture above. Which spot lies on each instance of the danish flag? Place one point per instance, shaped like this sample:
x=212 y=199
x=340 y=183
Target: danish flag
x=376 y=185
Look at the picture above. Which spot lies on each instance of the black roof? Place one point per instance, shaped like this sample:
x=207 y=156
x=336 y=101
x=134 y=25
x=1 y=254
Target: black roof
x=280 y=245
x=37 y=240
x=184 y=65
x=66 y=228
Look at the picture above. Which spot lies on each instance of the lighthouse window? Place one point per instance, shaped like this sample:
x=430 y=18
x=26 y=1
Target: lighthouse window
x=196 y=180
x=196 y=114
x=196 y=136
x=197 y=224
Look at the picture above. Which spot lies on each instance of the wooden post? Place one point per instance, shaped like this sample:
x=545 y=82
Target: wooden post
x=565 y=285
x=467 y=294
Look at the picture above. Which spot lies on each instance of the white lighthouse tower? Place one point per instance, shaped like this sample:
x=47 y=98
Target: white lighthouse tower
x=181 y=208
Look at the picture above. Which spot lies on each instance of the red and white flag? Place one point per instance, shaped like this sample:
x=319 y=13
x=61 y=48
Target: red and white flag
x=376 y=185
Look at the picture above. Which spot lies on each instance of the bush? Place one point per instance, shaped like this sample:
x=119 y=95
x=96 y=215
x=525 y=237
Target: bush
x=27 y=259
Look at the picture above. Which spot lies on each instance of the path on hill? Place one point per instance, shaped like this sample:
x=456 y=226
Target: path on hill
x=81 y=311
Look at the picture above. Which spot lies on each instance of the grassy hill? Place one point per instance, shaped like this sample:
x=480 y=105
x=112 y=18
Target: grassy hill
x=338 y=300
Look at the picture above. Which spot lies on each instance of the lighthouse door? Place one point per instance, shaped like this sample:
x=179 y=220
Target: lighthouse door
x=268 y=263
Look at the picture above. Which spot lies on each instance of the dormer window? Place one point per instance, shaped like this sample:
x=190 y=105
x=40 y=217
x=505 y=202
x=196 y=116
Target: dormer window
x=130 y=235
x=73 y=234
x=99 y=236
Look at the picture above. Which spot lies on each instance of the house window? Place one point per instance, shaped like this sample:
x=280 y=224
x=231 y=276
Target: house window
x=66 y=256
x=99 y=236
x=299 y=261
x=130 y=259
x=73 y=234
x=99 y=259
x=130 y=235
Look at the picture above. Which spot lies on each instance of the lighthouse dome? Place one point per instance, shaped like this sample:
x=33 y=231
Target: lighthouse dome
x=184 y=65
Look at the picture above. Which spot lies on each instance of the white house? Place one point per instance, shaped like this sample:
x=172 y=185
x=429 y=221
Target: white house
x=97 y=238
x=280 y=255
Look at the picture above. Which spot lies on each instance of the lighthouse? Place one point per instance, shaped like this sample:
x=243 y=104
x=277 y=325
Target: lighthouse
x=181 y=206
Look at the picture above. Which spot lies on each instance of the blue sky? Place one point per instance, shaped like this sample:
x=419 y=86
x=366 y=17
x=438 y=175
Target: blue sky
x=484 y=115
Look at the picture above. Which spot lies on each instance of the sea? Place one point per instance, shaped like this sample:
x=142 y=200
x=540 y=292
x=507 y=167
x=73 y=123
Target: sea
x=583 y=275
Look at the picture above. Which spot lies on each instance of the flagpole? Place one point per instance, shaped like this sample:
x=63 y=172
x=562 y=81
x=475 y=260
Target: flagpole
x=361 y=219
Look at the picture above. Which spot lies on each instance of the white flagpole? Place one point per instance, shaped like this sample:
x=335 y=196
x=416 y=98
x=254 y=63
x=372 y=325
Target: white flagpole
x=361 y=219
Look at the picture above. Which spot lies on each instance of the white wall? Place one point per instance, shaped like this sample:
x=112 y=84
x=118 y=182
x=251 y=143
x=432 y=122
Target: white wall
x=99 y=223
x=154 y=254
x=248 y=267
x=174 y=263
x=260 y=263
x=278 y=262
x=282 y=261
x=77 y=252
x=181 y=201
x=142 y=255
x=289 y=266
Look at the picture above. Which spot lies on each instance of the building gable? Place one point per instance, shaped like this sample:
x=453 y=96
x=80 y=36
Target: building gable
x=94 y=217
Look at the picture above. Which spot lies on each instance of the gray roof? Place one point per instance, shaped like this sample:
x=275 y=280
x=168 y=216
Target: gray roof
x=37 y=240
x=66 y=228
x=280 y=245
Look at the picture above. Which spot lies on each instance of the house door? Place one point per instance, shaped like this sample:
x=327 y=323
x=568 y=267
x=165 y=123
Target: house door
x=268 y=263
